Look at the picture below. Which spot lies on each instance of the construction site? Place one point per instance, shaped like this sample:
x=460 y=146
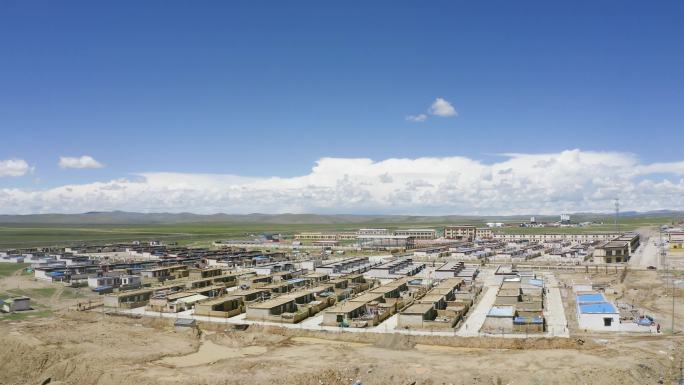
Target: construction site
x=231 y=316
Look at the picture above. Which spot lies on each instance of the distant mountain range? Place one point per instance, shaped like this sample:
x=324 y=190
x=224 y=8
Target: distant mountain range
x=131 y=218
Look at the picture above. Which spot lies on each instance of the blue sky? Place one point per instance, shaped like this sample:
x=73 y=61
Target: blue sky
x=264 y=89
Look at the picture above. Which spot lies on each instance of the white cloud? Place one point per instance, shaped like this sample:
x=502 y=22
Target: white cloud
x=14 y=167
x=571 y=180
x=84 y=161
x=441 y=107
x=416 y=118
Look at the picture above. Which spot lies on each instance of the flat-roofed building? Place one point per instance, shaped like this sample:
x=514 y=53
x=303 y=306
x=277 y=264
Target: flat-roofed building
x=165 y=272
x=204 y=273
x=344 y=266
x=465 y=232
x=344 y=314
x=225 y=307
x=594 y=312
x=448 y=270
x=315 y=236
x=175 y=302
x=128 y=299
x=403 y=266
x=550 y=237
x=320 y=236
x=346 y=236
x=499 y=319
x=272 y=268
x=611 y=252
x=676 y=240
x=362 y=232
x=386 y=242
x=15 y=304
x=483 y=233
x=418 y=233
x=633 y=241
x=293 y=307
x=416 y=316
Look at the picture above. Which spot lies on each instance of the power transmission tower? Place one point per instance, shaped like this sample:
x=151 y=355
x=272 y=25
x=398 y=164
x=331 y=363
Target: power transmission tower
x=617 y=214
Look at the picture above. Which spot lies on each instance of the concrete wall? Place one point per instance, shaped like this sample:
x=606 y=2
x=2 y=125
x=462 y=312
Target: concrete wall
x=498 y=325
x=595 y=322
x=412 y=321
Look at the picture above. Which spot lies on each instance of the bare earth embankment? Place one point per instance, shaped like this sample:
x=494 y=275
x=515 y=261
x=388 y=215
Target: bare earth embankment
x=89 y=348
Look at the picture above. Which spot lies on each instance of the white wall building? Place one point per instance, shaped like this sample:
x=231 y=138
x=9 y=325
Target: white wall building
x=594 y=312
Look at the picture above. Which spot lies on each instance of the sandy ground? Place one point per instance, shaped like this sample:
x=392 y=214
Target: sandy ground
x=87 y=348
x=92 y=348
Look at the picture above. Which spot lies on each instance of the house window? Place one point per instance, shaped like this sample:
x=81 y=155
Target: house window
x=607 y=321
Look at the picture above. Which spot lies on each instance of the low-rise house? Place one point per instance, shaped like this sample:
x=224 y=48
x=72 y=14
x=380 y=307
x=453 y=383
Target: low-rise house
x=398 y=267
x=174 y=302
x=128 y=299
x=418 y=233
x=594 y=312
x=280 y=309
x=499 y=319
x=225 y=307
x=15 y=304
x=196 y=274
x=165 y=272
x=103 y=281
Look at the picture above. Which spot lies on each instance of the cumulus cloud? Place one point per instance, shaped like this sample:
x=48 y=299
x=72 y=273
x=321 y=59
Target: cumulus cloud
x=571 y=180
x=84 y=161
x=14 y=167
x=417 y=118
x=441 y=107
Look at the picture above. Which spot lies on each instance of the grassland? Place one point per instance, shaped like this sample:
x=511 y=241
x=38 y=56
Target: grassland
x=192 y=234
x=7 y=269
x=202 y=234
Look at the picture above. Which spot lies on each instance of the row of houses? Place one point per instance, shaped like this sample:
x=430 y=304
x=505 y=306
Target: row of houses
x=364 y=233
x=374 y=306
x=105 y=275
x=518 y=307
x=352 y=265
x=443 y=307
x=456 y=269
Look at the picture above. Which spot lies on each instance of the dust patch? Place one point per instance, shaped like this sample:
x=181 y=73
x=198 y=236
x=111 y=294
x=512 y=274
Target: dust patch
x=312 y=340
x=395 y=342
x=210 y=353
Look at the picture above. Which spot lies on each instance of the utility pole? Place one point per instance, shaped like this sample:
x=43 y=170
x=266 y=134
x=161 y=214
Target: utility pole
x=617 y=214
x=674 y=295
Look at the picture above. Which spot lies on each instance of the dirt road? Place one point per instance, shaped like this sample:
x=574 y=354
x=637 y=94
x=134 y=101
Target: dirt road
x=649 y=253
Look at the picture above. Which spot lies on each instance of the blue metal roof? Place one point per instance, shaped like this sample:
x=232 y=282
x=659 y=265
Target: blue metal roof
x=536 y=282
x=501 y=311
x=590 y=298
x=295 y=280
x=597 y=308
x=528 y=320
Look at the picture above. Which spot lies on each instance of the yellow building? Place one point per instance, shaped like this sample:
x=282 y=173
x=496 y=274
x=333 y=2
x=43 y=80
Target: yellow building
x=676 y=240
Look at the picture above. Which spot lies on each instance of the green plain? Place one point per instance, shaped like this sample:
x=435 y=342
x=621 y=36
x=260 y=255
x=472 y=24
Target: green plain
x=203 y=234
